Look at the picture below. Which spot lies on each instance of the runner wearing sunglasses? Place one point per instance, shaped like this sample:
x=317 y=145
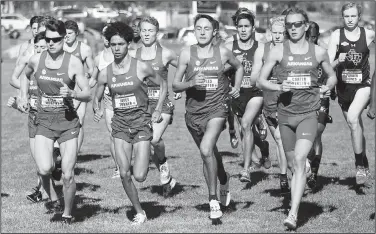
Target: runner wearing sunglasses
x=56 y=73
x=299 y=98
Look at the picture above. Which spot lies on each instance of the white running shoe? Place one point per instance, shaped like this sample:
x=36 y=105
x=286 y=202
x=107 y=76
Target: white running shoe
x=139 y=218
x=164 y=174
x=225 y=196
x=215 y=209
x=116 y=174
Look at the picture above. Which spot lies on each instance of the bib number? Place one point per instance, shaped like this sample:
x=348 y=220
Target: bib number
x=273 y=80
x=125 y=102
x=211 y=83
x=300 y=80
x=52 y=101
x=153 y=93
x=246 y=82
x=352 y=76
x=33 y=102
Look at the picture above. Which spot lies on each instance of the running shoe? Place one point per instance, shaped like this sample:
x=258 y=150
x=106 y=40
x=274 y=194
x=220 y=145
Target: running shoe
x=139 y=218
x=290 y=222
x=245 y=175
x=308 y=168
x=284 y=183
x=215 y=209
x=67 y=219
x=36 y=196
x=116 y=174
x=265 y=161
x=262 y=128
x=225 y=196
x=312 y=180
x=361 y=175
x=167 y=188
x=164 y=174
x=233 y=139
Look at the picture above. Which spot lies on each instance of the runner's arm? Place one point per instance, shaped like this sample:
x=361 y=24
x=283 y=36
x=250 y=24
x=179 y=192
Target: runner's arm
x=171 y=57
x=77 y=69
x=323 y=58
x=178 y=85
x=15 y=78
x=98 y=93
x=89 y=61
x=274 y=57
x=234 y=62
x=332 y=48
x=257 y=64
x=94 y=77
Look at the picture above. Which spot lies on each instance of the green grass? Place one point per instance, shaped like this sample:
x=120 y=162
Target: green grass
x=102 y=205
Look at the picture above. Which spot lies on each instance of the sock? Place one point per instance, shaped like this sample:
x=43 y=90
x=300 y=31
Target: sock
x=212 y=197
x=283 y=176
x=315 y=164
x=224 y=181
x=365 y=160
x=359 y=160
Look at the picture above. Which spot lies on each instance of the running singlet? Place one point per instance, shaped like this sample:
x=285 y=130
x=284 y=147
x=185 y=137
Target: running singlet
x=247 y=59
x=355 y=69
x=48 y=81
x=128 y=92
x=33 y=93
x=214 y=92
x=159 y=68
x=302 y=71
x=77 y=52
x=102 y=64
x=270 y=97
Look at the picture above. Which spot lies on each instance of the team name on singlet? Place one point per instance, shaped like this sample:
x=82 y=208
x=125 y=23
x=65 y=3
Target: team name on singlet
x=130 y=83
x=299 y=64
x=213 y=68
x=51 y=78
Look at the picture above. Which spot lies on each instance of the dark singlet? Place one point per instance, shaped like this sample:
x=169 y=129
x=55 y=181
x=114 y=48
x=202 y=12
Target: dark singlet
x=77 y=52
x=247 y=64
x=48 y=80
x=129 y=94
x=302 y=71
x=270 y=97
x=159 y=68
x=355 y=69
x=215 y=90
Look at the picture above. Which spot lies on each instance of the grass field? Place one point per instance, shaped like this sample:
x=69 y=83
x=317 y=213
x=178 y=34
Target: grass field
x=102 y=205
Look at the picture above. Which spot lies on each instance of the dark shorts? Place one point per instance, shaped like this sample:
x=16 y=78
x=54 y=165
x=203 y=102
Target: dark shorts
x=271 y=118
x=346 y=94
x=196 y=124
x=238 y=105
x=293 y=128
x=132 y=127
x=32 y=124
x=60 y=127
x=324 y=116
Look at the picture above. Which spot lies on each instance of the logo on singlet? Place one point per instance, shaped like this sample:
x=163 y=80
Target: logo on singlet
x=44 y=72
x=353 y=56
x=345 y=43
x=319 y=72
x=299 y=64
x=114 y=79
x=247 y=66
x=213 y=68
x=31 y=82
x=197 y=63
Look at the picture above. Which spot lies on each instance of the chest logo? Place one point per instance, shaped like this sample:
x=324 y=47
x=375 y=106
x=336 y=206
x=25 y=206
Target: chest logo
x=291 y=58
x=353 y=56
x=197 y=63
x=114 y=79
x=345 y=43
x=44 y=72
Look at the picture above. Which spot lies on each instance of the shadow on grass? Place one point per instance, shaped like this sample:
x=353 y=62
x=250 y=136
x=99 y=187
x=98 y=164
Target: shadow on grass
x=228 y=154
x=79 y=187
x=152 y=210
x=179 y=188
x=232 y=207
x=309 y=210
x=323 y=181
x=256 y=177
x=173 y=157
x=90 y=157
x=4 y=195
x=372 y=216
x=285 y=206
x=80 y=170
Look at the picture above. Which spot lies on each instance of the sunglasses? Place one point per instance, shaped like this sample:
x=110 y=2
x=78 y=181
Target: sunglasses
x=54 y=39
x=296 y=24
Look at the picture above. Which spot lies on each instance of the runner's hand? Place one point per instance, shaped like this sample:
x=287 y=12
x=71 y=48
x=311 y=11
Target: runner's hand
x=325 y=91
x=98 y=113
x=286 y=86
x=156 y=117
x=65 y=91
x=22 y=105
x=234 y=92
x=198 y=80
x=341 y=57
x=11 y=102
x=371 y=112
x=177 y=96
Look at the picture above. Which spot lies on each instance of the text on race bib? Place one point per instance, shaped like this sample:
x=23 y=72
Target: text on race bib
x=52 y=101
x=273 y=80
x=33 y=102
x=299 y=80
x=153 y=93
x=246 y=82
x=211 y=83
x=352 y=76
x=125 y=101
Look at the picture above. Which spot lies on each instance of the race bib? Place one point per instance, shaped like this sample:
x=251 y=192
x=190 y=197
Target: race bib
x=33 y=102
x=352 y=76
x=246 y=82
x=273 y=80
x=299 y=80
x=153 y=93
x=52 y=101
x=125 y=101
x=211 y=83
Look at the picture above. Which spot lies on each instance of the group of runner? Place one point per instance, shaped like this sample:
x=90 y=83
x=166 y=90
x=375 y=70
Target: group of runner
x=286 y=83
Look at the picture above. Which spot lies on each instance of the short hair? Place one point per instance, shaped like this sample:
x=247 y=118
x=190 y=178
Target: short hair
x=150 y=20
x=216 y=24
x=351 y=5
x=39 y=36
x=296 y=10
x=247 y=16
x=119 y=28
x=44 y=19
x=135 y=19
x=204 y=16
x=58 y=26
x=314 y=25
x=35 y=19
x=70 y=24
x=277 y=20
x=242 y=10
